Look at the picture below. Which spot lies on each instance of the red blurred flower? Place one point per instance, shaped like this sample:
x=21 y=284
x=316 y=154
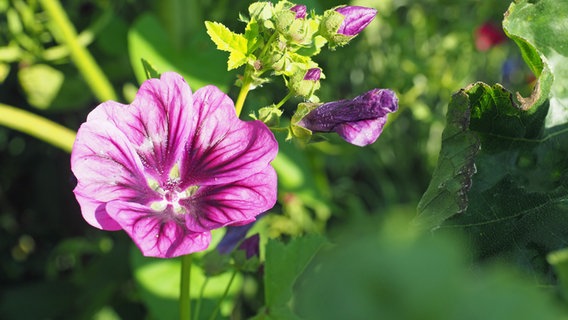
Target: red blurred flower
x=488 y=35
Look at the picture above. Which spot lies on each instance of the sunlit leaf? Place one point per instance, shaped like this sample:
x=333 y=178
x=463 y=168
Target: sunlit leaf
x=540 y=30
x=515 y=201
x=226 y=40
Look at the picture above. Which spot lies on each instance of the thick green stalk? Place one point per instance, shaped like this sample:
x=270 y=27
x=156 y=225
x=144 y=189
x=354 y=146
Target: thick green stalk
x=184 y=294
x=84 y=61
x=242 y=96
x=39 y=127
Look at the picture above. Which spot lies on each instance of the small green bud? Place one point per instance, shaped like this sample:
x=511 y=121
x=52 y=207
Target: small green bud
x=341 y=24
x=284 y=20
x=328 y=27
x=299 y=132
x=260 y=11
x=295 y=30
x=270 y=116
x=305 y=82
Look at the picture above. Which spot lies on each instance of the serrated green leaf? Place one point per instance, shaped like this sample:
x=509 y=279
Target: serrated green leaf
x=283 y=264
x=514 y=204
x=447 y=193
x=539 y=29
x=236 y=59
x=227 y=40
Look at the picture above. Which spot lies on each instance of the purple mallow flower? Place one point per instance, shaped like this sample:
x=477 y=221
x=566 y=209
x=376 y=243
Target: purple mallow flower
x=359 y=121
x=172 y=166
x=356 y=19
x=300 y=11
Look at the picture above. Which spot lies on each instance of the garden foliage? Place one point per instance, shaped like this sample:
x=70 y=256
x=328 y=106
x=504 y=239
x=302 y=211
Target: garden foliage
x=457 y=211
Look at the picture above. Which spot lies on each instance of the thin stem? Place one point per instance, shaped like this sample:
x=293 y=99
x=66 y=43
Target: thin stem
x=99 y=83
x=218 y=306
x=198 y=304
x=267 y=45
x=286 y=98
x=245 y=88
x=184 y=293
x=37 y=126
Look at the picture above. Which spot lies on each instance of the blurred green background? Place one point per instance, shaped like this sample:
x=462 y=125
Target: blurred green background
x=53 y=265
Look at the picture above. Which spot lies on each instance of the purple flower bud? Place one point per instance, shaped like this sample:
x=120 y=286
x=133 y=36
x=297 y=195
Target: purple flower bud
x=356 y=19
x=251 y=246
x=233 y=236
x=313 y=74
x=300 y=11
x=359 y=121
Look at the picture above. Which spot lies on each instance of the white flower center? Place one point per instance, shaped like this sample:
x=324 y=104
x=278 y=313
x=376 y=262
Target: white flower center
x=172 y=198
x=170 y=192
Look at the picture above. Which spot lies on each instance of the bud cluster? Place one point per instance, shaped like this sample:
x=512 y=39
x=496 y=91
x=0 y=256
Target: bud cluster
x=281 y=40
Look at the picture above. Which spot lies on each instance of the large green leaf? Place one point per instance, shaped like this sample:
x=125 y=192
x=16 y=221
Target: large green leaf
x=198 y=61
x=502 y=173
x=540 y=30
x=284 y=263
x=514 y=201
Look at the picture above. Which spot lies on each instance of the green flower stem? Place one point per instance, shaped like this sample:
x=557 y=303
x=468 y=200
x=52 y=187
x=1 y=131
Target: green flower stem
x=247 y=77
x=218 y=306
x=84 y=61
x=198 y=304
x=37 y=126
x=245 y=88
x=286 y=98
x=267 y=45
x=184 y=293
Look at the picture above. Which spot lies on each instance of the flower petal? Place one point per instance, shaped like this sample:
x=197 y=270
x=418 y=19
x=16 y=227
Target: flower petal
x=361 y=133
x=155 y=236
x=233 y=236
x=222 y=147
x=157 y=122
x=107 y=168
x=356 y=19
x=300 y=11
x=234 y=203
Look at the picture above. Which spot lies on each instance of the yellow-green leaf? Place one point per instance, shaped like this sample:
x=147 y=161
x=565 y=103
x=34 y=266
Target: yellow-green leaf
x=225 y=39
x=236 y=59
